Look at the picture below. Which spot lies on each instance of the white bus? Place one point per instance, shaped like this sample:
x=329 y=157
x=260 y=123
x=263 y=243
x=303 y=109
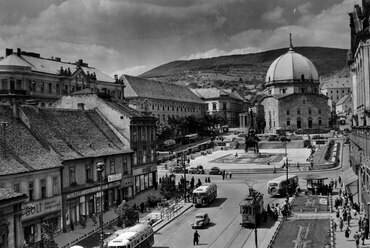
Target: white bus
x=138 y=236
x=191 y=137
x=205 y=194
x=278 y=186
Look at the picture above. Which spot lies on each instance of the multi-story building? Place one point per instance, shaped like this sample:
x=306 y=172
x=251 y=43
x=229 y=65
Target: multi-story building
x=226 y=102
x=51 y=155
x=28 y=76
x=11 y=235
x=337 y=87
x=162 y=100
x=358 y=60
x=135 y=128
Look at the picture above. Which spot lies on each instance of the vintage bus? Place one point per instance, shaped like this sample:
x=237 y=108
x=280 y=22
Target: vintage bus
x=205 y=194
x=138 y=236
x=190 y=138
x=251 y=208
x=278 y=186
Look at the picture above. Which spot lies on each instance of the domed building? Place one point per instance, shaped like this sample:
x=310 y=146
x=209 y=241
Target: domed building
x=293 y=99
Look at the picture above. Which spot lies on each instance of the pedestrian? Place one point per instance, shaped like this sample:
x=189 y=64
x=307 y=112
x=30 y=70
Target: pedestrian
x=142 y=207
x=192 y=183
x=199 y=183
x=274 y=170
x=93 y=217
x=341 y=224
x=363 y=236
x=356 y=236
x=360 y=224
x=337 y=213
x=206 y=180
x=72 y=226
x=339 y=180
x=335 y=183
x=230 y=175
x=209 y=179
x=347 y=232
x=196 y=238
x=349 y=219
x=223 y=175
x=335 y=226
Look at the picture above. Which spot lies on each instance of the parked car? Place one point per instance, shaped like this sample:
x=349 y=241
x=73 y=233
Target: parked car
x=193 y=170
x=215 y=171
x=200 y=220
x=200 y=169
x=177 y=169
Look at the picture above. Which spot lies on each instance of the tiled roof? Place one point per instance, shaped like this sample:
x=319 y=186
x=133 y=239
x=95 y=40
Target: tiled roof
x=145 y=88
x=75 y=133
x=51 y=66
x=23 y=151
x=83 y=92
x=337 y=82
x=124 y=108
x=212 y=93
x=6 y=194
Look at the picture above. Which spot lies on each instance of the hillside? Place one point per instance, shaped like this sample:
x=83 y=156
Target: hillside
x=242 y=71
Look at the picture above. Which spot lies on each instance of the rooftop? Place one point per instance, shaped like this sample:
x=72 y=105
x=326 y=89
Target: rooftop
x=212 y=93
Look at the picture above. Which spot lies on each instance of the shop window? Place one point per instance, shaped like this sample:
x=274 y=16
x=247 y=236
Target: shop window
x=72 y=174
x=112 y=166
x=30 y=234
x=30 y=191
x=43 y=188
x=55 y=186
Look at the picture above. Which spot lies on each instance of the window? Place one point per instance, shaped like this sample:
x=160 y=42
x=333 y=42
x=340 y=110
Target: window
x=224 y=106
x=214 y=106
x=55 y=185
x=298 y=111
x=320 y=121
x=16 y=188
x=287 y=112
x=309 y=111
x=112 y=166
x=81 y=106
x=288 y=122
x=18 y=84
x=30 y=191
x=57 y=88
x=88 y=172
x=72 y=174
x=43 y=188
x=50 y=88
x=124 y=165
x=319 y=111
x=4 y=84
x=42 y=87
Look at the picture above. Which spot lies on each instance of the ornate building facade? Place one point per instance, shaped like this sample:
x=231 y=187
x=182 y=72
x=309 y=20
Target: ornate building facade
x=293 y=100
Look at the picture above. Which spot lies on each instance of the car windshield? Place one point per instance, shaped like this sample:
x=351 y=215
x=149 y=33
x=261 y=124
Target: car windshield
x=199 y=217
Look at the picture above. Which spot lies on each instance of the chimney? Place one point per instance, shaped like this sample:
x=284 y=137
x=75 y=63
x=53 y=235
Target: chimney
x=116 y=77
x=19 y=51
x=8 y=51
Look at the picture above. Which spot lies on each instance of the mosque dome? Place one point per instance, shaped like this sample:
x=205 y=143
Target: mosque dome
x=291 y=67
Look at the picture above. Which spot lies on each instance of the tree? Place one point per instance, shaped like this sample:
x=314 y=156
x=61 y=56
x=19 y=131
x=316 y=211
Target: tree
x=47 y=233
x=127 y=215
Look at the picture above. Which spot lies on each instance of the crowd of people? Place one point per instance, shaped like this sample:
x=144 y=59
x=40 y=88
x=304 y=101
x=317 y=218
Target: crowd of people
x=274 y=210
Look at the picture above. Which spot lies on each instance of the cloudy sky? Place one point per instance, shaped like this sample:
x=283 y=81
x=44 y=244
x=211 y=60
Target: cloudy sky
x=133 y=36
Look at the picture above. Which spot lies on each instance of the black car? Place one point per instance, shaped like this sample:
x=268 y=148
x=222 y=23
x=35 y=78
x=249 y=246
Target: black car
x=215 y=171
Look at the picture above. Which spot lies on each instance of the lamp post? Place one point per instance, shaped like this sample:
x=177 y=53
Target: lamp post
x=183 y=163
x=286 y=140
x=100 y=168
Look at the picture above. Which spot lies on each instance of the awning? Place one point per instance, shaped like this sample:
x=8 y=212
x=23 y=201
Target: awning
x=349 y=177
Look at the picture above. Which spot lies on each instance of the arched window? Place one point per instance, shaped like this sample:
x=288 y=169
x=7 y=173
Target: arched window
x=299 y=122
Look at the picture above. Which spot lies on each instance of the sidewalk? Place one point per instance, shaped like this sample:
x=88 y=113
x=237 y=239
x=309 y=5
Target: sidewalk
x=68 y=239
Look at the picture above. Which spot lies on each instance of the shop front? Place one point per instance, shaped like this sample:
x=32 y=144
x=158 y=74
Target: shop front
x=145 y=177
x=42 y=211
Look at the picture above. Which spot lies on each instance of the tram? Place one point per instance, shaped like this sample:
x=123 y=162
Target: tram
x=251 y=208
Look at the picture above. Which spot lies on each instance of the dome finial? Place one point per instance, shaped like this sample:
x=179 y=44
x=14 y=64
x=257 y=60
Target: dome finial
x=291 y=43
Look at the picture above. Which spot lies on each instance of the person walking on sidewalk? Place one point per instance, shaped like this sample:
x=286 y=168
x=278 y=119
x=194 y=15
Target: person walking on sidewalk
x=347 y=232
x=196 y=238
x=356 y=236
x=93 y=217
x=360 y=224
x=341 y=224
x=363 y=236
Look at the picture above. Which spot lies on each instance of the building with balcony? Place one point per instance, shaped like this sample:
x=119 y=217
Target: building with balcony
x=162 y=100
x=28 y=76
x=358 y=61
x=293 y=100
x=11 y=235
x=135 y=128
x=226 y=102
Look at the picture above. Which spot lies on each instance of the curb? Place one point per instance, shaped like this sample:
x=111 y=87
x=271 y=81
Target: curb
x=166 y=223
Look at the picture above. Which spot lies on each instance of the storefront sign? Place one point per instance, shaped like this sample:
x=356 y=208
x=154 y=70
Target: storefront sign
x=127 y=182
x=114 y=177
x=136 y=172
x=85 y=191
x=43 y=207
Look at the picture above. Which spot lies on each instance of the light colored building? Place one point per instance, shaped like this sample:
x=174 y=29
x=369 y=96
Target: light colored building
x=293 y=100
x=28 y=76
x=223 y=101
x=337 y=87
x=11 y=235
x=162 y=100
x=344 y=105
x=135 y=129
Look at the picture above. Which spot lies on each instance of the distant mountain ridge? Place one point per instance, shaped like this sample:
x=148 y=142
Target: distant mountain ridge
x=246 y=68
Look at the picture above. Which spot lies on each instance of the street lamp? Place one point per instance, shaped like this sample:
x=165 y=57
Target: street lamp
x=99 y=169
x=286 y=140
x=183 y=163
